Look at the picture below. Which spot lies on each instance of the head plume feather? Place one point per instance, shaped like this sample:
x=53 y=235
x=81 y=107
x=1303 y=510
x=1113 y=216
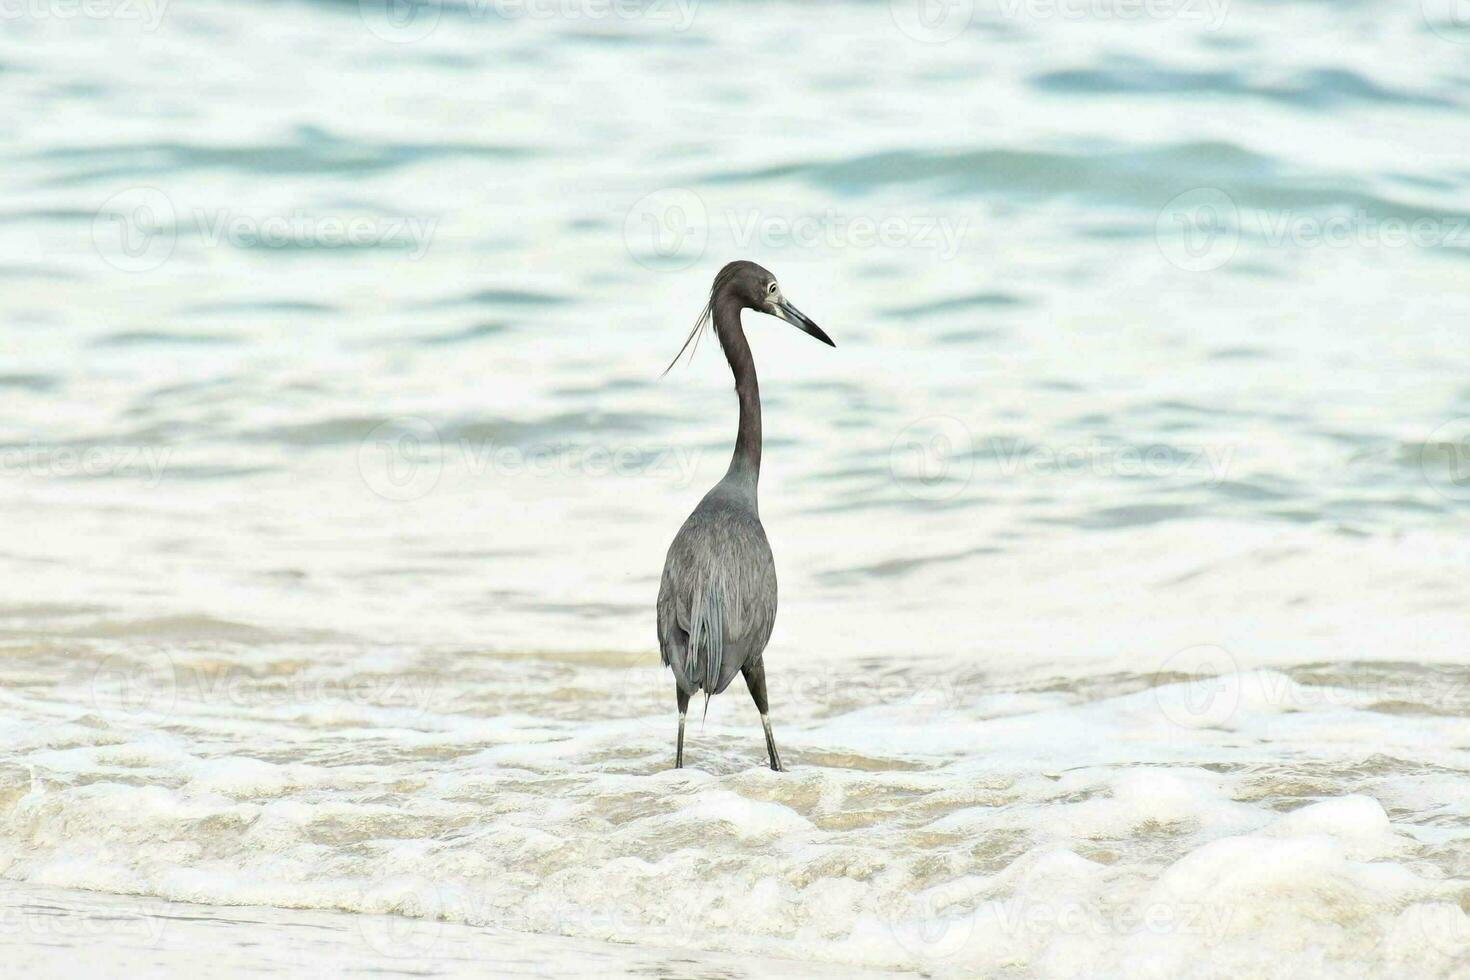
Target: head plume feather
x=706 y=315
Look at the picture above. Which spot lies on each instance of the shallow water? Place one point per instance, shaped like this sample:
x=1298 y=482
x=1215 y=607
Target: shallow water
x=64 y=933
x=1122 y=538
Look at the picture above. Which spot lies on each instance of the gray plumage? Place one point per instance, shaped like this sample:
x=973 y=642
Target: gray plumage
x=717 y=601
x=717 y=598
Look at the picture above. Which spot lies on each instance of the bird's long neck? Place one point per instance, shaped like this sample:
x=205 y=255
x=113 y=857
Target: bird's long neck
x=746 y=463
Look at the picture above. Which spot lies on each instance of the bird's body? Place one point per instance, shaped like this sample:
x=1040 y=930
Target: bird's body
x=717 y=597
x=717 y=601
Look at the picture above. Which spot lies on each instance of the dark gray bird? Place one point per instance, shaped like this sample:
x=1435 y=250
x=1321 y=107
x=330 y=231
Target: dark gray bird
x=717 y=600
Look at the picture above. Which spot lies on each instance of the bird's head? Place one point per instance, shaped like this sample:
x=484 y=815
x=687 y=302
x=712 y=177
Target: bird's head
x=747 y=286
x=756 y=289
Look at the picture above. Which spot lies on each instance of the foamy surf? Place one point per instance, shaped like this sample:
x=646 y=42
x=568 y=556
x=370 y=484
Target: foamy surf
x=1267 y=822
x=73 y=935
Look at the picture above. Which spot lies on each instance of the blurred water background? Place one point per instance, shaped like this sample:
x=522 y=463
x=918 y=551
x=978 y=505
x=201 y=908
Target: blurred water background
x=1122 y=537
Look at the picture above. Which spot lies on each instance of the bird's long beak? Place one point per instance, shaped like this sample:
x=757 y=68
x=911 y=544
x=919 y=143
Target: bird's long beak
x=800 y=320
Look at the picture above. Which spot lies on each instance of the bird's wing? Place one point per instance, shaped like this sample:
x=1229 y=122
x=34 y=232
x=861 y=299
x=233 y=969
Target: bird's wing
x=672 y=634
x=691 y=613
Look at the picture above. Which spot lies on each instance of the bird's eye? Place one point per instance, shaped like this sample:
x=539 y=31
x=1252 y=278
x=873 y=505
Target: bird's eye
x=770 y=289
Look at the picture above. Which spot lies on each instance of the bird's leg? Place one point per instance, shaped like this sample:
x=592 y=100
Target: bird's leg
x=755 y=681
x=683 y=709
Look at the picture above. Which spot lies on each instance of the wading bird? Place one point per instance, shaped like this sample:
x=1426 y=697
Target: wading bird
x=717 y=600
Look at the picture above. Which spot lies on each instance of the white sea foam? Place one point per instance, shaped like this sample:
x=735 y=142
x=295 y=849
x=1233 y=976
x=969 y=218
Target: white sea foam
x=1076 y=831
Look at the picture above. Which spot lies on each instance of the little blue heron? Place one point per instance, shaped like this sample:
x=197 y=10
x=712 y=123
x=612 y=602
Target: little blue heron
x=717 y=600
